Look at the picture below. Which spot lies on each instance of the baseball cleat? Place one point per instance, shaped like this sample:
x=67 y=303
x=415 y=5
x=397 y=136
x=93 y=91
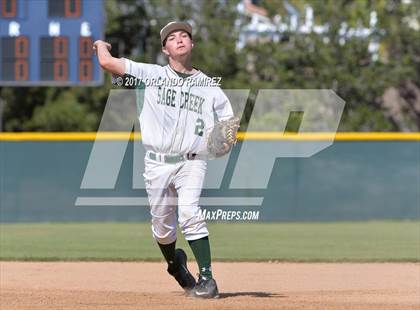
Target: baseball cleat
x=205 y=288
x=182 y=274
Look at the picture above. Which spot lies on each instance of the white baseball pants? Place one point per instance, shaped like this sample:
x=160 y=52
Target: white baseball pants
x=173 y=187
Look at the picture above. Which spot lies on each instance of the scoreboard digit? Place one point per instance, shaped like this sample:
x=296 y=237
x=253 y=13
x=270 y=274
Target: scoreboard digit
x=54 y=58
x=49 y=42
x=64 y=8
x=15 y=52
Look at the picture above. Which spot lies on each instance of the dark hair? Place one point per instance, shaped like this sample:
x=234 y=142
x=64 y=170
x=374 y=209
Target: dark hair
x=164 y=41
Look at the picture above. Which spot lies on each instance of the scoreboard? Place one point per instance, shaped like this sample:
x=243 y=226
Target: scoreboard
x=49 y=42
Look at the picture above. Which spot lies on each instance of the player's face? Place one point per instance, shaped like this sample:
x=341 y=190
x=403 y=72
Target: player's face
x=178 y=43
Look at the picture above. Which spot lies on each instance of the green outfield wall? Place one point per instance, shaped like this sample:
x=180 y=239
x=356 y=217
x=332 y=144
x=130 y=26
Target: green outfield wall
x=359 y=179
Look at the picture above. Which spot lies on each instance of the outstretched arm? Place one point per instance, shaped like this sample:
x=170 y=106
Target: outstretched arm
x=106 y=61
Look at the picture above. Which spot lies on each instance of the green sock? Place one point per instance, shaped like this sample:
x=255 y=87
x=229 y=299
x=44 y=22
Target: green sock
x=168 y=251
x=201 y=250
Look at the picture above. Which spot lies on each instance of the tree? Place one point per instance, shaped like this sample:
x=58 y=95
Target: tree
x=380 y=94
x=326 y=61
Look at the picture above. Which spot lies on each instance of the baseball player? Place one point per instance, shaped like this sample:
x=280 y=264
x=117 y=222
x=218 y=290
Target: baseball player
x=173 y=121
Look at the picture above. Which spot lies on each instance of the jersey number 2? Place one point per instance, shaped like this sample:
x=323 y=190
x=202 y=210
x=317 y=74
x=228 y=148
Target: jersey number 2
x=199 y=126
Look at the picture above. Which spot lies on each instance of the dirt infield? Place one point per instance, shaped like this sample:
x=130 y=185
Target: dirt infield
x=142 y=285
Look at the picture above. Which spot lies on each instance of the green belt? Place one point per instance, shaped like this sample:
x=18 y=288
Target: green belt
x=171 y=159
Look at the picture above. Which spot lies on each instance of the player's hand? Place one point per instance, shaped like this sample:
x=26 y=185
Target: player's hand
x=106 y=60
x=226 y=147
x=98 y=43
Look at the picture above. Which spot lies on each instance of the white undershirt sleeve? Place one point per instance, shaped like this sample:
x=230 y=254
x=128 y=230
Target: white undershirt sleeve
x=222 y=107
x=138 y=69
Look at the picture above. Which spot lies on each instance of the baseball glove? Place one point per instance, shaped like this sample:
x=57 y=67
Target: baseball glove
x=223 y=136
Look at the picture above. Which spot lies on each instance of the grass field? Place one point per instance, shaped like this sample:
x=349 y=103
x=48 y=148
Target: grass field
x=309 y=242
